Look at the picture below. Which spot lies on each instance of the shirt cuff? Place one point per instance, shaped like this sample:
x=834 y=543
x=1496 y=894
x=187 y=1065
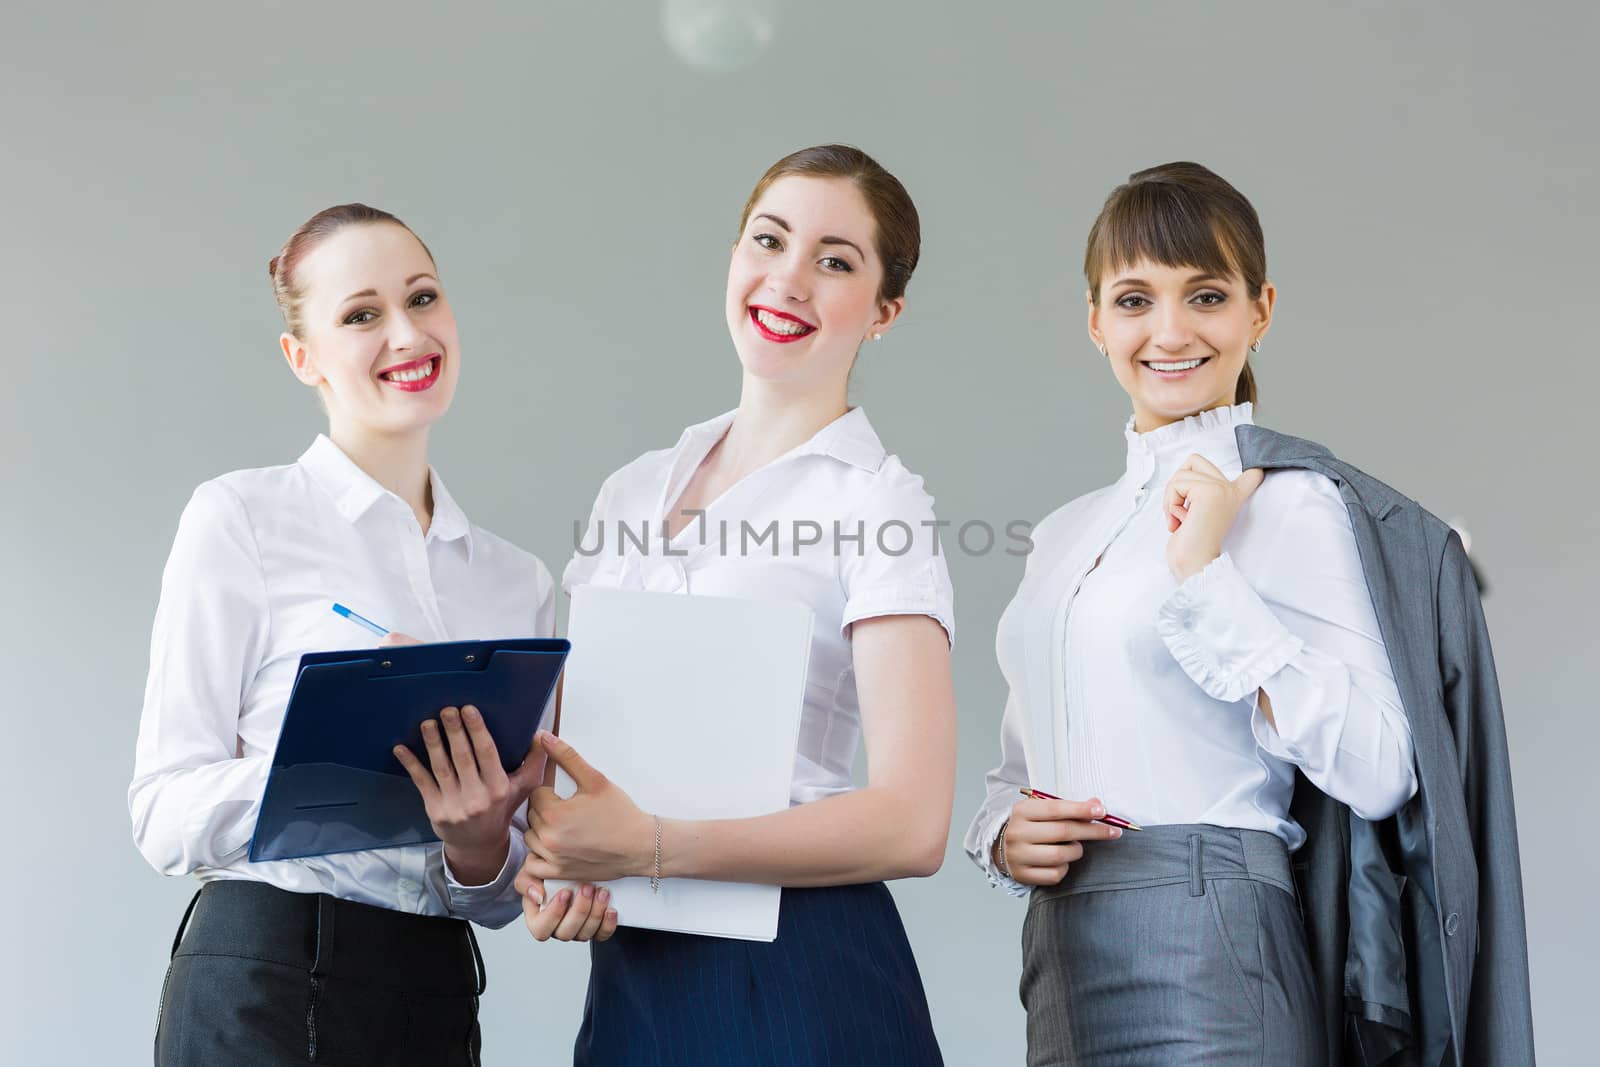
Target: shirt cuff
x=463 y=898
x=998 y=878
x=942 y=614
x=1223 y=634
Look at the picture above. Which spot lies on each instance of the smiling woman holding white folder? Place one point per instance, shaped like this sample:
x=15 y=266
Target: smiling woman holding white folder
x=827 y=244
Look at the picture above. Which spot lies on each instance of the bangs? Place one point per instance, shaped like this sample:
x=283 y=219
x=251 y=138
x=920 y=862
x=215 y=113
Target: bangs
x=1166 y=224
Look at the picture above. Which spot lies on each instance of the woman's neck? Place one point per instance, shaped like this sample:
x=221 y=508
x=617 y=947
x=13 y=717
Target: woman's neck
x=398 y=462
x=772 y=420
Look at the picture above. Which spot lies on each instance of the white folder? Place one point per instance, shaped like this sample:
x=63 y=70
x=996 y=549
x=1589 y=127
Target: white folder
x=691 y=704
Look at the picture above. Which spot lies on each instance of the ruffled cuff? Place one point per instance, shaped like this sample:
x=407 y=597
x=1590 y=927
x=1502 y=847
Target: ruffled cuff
x=998 y=878
x=1223 y=634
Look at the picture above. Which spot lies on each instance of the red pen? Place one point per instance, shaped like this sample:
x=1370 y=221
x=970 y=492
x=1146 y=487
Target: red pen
x=1108 y=819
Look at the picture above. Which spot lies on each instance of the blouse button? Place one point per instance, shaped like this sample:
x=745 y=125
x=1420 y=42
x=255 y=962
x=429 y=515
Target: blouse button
x=1452 y=923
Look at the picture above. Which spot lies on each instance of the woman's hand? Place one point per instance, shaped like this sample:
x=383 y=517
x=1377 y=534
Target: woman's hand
x=468 y=796
x=1045 y=837
x=584 y=915
x=1201 y=504
x=595 y=835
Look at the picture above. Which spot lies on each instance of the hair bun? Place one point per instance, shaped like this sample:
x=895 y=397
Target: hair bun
x=313 y=231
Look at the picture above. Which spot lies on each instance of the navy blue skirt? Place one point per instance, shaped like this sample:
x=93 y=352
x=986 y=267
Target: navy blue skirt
x=838 y=986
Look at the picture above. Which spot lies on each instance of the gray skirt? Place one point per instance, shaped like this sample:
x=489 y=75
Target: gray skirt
x=1182 y=944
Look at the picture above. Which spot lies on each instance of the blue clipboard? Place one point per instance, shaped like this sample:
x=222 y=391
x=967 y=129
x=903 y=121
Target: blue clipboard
x=335 y=785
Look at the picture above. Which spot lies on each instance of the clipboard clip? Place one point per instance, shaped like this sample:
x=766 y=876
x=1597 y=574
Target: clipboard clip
x=470 y=657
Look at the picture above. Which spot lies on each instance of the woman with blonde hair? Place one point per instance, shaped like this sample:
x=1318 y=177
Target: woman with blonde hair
x=358 y=957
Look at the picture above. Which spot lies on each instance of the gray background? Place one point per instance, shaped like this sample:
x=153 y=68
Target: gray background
x=1426 y=174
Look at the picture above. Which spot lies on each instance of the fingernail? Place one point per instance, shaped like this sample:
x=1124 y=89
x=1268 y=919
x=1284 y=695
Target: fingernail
x=1097 y=811
x=1116 y=831
x=588 y=891
x=611 y=914
x=470 y=714
x=605 y=895
x=533 y=895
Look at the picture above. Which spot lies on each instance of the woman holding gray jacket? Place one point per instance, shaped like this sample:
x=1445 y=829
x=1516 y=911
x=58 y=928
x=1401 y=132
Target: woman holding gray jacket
x=1185 y=641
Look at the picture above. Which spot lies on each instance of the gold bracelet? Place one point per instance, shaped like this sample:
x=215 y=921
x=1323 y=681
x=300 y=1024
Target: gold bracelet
x=655 y=878
x=1005 y=868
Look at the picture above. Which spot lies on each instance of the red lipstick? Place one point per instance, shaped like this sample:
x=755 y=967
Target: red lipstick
x=430 y=363
x=757 y=310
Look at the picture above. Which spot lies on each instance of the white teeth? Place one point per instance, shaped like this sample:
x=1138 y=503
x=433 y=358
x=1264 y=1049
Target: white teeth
x=416 y=374
x=784 y=326
x=1188 y=364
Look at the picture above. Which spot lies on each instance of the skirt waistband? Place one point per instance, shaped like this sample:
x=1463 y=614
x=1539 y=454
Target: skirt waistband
x=1176 y=853
x=327 y=936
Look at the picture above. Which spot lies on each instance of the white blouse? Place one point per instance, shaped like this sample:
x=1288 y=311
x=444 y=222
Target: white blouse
x=835 y=523
x=259 y=559
x=1131 y=687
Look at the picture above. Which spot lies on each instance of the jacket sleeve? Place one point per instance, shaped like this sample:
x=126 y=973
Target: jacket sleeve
x=1500 y=1012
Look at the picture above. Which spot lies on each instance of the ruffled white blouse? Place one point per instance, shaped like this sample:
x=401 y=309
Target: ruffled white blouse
x=1129 y=686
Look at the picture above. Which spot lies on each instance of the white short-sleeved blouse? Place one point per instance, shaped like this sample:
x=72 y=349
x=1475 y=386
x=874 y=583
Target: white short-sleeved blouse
x=835 y=523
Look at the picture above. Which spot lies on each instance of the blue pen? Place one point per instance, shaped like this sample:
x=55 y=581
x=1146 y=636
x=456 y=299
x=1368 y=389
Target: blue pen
x=360 y=620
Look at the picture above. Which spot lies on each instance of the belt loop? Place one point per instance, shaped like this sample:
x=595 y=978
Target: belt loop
x=322 y=959
x=1197 y=869
x=1257 y=856
x=482 y=975
x=183 y=923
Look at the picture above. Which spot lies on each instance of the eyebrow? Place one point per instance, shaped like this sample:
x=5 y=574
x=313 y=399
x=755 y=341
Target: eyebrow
x=784 y=226
x=373 y=292
x=1140 y=283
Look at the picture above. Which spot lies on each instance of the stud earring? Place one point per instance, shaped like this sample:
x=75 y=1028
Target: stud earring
x=877 y=337
x=1255 y=346
x=1102 y=347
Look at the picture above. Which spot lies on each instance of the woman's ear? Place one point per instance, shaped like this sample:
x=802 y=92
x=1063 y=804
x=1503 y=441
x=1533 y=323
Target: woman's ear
x=888 y=312
x=299 y=359
x=1094 y=320
x=1263 y=310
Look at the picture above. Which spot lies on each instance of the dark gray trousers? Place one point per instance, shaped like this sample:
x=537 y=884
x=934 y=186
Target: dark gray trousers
x=1179 y=945
x=261 y=976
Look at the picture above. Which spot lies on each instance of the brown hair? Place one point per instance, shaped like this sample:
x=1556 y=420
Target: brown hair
x=1180 y=215
x=286 y=289
x=899 y=236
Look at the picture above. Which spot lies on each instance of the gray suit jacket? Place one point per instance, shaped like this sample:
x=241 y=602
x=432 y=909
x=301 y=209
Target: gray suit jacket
x=1416 y=923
